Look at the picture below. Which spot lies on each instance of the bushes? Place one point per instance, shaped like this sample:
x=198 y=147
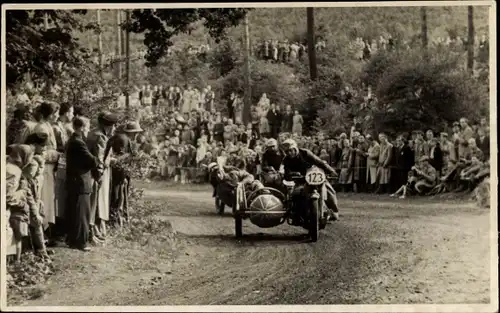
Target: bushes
x=278 y=81
x=423 y=93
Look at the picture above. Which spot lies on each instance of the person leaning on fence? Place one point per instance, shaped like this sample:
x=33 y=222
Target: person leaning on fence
x=120 y=176
x=97 y=141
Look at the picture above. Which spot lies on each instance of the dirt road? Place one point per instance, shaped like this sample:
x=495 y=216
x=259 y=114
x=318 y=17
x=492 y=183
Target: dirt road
x=382 y=251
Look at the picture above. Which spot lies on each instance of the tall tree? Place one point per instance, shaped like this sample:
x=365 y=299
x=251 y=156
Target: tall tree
x=423 y=16
x=160 y=25
x=248 y=90
x=470 y=40
x=311 y=44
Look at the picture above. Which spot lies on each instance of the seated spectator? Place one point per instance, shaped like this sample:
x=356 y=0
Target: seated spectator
x=421 y=179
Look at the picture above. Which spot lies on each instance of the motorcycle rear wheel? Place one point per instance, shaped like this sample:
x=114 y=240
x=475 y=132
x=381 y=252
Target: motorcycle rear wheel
x=314 y=221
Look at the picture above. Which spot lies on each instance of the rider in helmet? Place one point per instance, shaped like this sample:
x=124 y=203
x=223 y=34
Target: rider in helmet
x=271 y=163
x=299 y=161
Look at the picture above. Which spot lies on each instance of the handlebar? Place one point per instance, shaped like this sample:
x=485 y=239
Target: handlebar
x=300 y=177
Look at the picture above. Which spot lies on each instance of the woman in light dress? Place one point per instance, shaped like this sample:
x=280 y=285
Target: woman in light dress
x=49 y=113
x=263 y=106
x=297 y=123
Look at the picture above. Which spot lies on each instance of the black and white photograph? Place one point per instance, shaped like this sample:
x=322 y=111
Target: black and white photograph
x=249 y=157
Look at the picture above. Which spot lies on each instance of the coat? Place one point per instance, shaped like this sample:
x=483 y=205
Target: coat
x=437 y=161
x=297 y=124
x=359 y=165
x=287 y=122
x=346 y=163
x=97 y=142
x=79 y=166
x=372 y=163
x=384 y=161
x=418 y=151
x=80 y=163
x=48 y=193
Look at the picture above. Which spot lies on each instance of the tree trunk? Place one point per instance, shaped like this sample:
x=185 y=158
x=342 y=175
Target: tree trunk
x=311 y=44
x=248 y=89
x=99 y=43
x=423 y=13
x=118 y=48
x=127 y=65
x=470 y=40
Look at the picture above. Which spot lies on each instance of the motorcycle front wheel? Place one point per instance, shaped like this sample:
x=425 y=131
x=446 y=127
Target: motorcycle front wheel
x=314 y=221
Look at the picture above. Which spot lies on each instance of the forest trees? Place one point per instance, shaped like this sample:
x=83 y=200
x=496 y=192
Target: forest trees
x=159 y=26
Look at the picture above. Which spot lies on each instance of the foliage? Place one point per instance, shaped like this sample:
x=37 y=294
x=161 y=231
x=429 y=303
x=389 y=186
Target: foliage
x=278 y=81
x=141 y=165
x=159 y=26
x=32 y=270
x=43 y=53
x=417 y=92
x=482 y=194
x=224 y=58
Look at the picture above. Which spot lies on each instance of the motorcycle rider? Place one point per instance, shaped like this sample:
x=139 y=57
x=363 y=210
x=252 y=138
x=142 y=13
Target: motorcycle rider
x=299 y=161
x=271 y=162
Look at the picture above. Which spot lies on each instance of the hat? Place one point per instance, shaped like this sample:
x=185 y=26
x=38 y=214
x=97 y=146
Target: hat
x=424 y=158
x=456 y=124
x=179 y=119
x=108 y=118
x=132 y=127
x=211 y=166
x=271 y=142
x=444 y=134
x=234 y=150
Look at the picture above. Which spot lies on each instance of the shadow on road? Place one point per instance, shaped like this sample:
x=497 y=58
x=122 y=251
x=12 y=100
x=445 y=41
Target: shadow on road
x=250 y=239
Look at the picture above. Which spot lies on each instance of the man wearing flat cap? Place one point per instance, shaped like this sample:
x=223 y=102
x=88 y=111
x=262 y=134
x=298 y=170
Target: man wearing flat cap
x=97 y=141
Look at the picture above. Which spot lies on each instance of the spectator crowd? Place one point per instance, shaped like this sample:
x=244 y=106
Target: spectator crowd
x=65 y=182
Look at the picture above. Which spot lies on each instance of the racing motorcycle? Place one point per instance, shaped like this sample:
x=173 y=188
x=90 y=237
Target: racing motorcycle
x=305 y=196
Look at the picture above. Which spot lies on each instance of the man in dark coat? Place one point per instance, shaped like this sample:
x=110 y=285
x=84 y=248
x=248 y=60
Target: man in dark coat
x=79 y=165
x=274 y=119
x=405 y=159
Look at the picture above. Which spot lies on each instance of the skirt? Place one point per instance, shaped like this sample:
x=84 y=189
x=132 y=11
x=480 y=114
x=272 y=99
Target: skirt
x=48 y=195
x=104 y=192
x=345 y=176
x=100 y=198
x=383 y=175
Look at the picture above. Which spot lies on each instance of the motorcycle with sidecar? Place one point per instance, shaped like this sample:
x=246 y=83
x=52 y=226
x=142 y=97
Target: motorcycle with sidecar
x=302 y=204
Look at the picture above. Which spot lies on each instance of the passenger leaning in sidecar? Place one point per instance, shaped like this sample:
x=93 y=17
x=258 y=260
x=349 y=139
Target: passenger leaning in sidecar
x=299 y=161
x=224 y=180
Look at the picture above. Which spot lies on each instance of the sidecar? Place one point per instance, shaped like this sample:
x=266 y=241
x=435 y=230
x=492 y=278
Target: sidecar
x=264 y=208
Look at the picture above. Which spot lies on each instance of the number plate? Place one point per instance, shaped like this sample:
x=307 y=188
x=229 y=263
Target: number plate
x=315 y=177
